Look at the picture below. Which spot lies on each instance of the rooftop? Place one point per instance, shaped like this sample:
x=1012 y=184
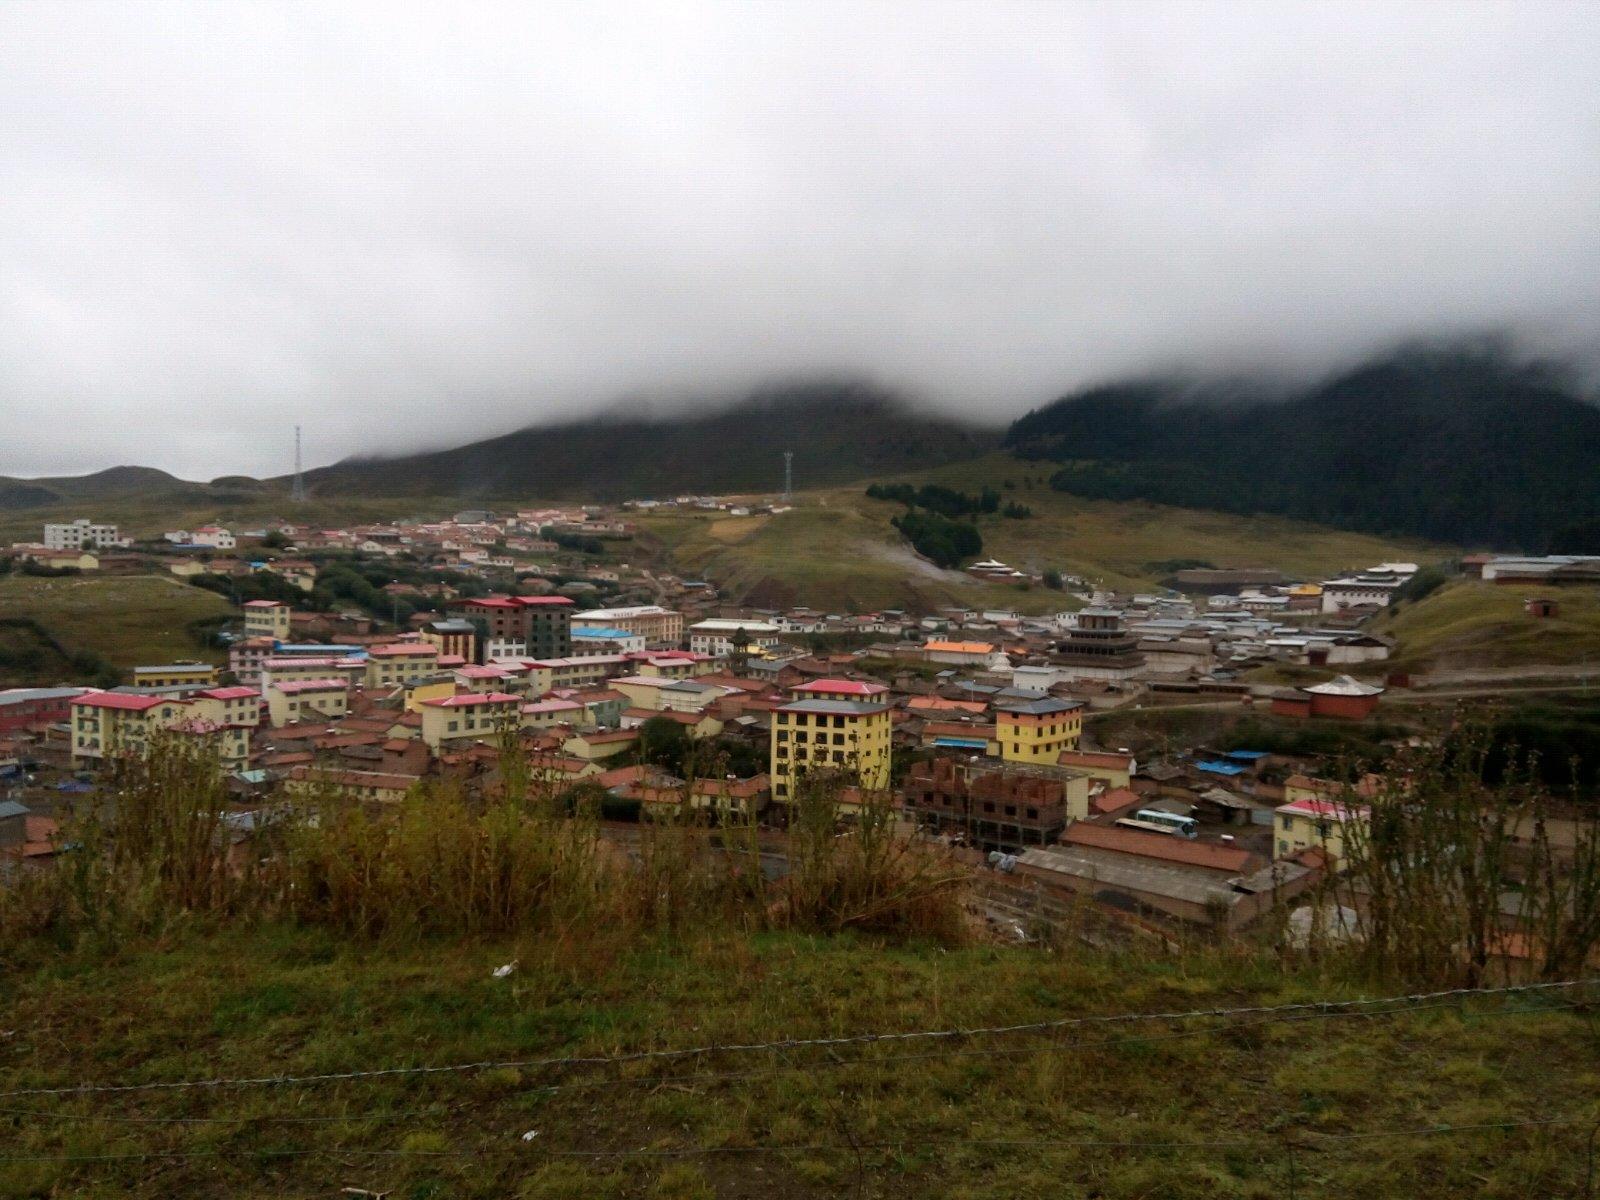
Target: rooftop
x=474 y=699
x=852 y=708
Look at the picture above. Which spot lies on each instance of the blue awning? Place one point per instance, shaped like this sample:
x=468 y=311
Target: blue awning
x=1221 y=768
x=956 y=743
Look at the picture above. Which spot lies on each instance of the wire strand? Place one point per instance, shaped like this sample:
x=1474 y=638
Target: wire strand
x=791 y=1044
x=878 y=1063
x=813 y=1147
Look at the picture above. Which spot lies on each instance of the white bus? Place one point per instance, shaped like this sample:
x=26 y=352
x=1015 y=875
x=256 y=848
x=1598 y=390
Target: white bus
x=1153 y=820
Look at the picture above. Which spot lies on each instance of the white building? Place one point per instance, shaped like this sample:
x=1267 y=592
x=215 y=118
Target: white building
x=82 y=534
x=715 y=636
x=1370 y=587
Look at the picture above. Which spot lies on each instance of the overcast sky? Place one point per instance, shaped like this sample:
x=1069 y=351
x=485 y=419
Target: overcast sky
x=409 y=224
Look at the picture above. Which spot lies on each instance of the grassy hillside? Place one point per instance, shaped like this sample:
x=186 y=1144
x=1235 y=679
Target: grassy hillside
x=837 y=548
x=148 y=515
x=128 y=619
x=1246 y=1108
x=1469 y=623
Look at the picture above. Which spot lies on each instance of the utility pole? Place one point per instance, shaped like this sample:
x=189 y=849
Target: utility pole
x=298 y=492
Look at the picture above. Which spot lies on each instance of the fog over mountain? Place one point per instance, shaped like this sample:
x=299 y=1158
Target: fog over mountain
x=415 y=226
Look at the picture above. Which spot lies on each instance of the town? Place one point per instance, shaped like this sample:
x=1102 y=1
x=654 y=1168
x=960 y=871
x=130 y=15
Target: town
x=991 y=731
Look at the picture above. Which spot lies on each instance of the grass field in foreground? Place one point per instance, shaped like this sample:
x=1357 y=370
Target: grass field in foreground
x=1469 y=623
x=129 y=619
x=1178 y=1113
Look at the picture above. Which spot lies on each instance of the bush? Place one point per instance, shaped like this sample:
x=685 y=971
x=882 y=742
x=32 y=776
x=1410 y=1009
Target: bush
x=943 y=542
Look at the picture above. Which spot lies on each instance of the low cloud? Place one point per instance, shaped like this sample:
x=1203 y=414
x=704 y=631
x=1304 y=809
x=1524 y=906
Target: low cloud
x=402 y=226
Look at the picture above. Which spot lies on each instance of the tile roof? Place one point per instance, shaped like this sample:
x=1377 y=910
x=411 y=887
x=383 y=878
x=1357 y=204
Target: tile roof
x=1160 y=846
x=473 y=699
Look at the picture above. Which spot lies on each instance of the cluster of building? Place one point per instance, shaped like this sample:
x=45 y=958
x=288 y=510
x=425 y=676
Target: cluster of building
x=982 y=711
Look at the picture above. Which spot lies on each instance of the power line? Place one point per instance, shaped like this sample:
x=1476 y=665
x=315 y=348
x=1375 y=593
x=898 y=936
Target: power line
x=825 y=1147
x=1314 y=1006
x=875 y=1063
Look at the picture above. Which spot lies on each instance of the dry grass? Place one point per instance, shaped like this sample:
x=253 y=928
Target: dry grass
x=128 y=619
x=1469 y=623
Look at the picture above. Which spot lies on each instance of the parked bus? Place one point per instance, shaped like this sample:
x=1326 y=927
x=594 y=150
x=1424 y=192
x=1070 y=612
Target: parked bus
x=1154 y=820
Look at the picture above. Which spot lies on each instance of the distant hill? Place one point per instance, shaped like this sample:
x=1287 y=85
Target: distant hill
x=1459 y=445
x=112 y=483
x=838 y=433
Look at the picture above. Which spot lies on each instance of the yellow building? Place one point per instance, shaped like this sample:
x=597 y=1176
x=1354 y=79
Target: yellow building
x=236 y=705
x=471 y=717
x=379 y=786
x=596 y=745
x=173 y=675
x=401 y=663
x=420 y=691
x=829 y=734
x=292 y=700
x=266 y=618
x=110 y=723
x=294 y=668
x=1114 y=769
x=1316 y=824
x=1037 y=731
x=676 y=666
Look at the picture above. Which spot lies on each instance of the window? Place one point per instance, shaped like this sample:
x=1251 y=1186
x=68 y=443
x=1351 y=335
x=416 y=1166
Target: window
x=1011 y=810
x=1033 y=814
x=1288 y=822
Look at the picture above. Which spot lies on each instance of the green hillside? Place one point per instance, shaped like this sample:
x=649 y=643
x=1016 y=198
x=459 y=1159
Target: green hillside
x=126 y=619
x=1457 y=442
x=837 y=549
x=1469 y=623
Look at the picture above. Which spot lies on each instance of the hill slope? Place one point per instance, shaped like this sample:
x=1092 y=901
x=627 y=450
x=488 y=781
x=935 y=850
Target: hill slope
x=837 y=550
x=1471 y=624
x=127 y=619
x=837 y=433
x=1245 y=1108
x=1458 y=445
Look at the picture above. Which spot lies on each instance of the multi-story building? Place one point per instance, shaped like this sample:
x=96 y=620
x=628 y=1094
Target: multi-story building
x=266 y=618
x=397 y=663
x=1317 y=823
x=1037 y=731
x=716 y=636
x=292 y=700
x=24 y=707
x=176 y=675
x=1098 y=646
x=457 y=637
x=545 y=675
x=245 y=657
x=82 y=534
x=214 y=536
x=294 y=668
x=540 y=625
x=590 y=640
x=824 y=734
x=109 y=723
x=658 y=626
x=472 y=717
x=993 y=803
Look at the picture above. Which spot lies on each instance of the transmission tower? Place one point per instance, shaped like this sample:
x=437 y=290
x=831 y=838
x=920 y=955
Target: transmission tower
x=788 y=473
x=298 y=492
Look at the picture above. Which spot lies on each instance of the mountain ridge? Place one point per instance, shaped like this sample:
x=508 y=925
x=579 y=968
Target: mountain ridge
x=1454 y=444
x=838 y=433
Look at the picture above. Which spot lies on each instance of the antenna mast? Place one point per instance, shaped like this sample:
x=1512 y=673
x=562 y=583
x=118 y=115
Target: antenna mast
x=298 y=492
x=788 y=474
